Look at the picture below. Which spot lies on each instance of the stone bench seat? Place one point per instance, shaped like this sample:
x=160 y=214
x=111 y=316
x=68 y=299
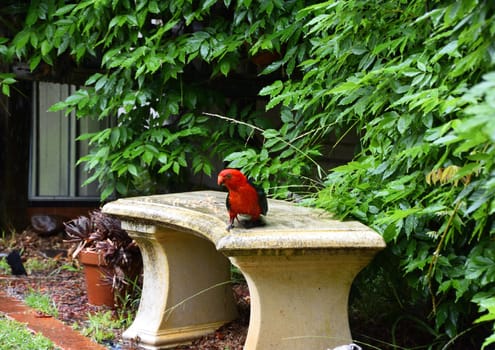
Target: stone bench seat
x=299 y=268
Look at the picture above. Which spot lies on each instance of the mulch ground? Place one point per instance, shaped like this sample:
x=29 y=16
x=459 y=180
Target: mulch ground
x=62 y=279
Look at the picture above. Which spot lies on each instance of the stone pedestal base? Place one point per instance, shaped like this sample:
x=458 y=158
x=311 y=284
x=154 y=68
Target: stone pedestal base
x=299 y=302
x=186 y=288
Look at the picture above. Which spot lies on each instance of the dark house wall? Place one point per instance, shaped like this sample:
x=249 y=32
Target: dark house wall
x=15 y=115
x=3 y=158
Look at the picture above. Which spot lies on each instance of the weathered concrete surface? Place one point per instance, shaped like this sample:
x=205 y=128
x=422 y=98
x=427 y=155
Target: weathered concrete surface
x=299 y=268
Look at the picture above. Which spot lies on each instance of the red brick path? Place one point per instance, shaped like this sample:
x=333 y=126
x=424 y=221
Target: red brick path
x=59 y=333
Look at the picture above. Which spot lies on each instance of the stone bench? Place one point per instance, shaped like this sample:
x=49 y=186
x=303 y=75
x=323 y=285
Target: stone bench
x=299 y=269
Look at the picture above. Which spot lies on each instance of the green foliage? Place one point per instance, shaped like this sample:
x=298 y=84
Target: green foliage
x=161 y=65
x=285 y=157
x=13 y=334
x=415 y=81
x=128 y=299
x=487 y=304
x=6 y=80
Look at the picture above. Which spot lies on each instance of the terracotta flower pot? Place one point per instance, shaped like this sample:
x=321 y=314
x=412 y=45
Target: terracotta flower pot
x=99 y=289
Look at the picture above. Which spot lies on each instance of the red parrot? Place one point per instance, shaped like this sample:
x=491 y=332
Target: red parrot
x=243 y=198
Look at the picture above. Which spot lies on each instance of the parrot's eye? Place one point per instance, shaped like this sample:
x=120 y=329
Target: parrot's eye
x=228 y=176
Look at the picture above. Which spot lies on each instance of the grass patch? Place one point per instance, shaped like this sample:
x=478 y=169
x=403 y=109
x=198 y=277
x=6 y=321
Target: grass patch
x=4 y=266
x=34 y=265
x=41 y=302
x=15 y=335
x=100 y=326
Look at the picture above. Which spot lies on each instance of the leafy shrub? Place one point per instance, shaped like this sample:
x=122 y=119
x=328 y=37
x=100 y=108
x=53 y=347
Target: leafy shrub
x=414 y=80
x=161 y=65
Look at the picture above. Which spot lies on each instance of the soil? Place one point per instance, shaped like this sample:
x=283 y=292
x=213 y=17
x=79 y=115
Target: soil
x=62 y=278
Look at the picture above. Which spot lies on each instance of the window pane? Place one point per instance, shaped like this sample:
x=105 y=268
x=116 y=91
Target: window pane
x=54 y=149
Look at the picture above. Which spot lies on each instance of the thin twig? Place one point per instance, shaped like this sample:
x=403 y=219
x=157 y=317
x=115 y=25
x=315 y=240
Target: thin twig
x=436 y=254
x=254 y=127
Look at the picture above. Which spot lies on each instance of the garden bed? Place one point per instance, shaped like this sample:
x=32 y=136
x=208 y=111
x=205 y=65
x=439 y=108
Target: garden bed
x=52 y=273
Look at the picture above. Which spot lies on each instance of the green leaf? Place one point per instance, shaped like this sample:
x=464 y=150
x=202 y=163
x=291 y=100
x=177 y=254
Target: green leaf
x=153 y=63
x=58 y=107
x=77 y=97
x=132 y=169
x=404 y=122
x=272 y=89
x=272 y=67
x=115 y=137
x=153 y=7
x=176 y=167
x=34 y=62
x=107 y=192
x=9 y=80
x=163 y=158
x=224 y=67
x=121 y=188
x=6 y=89
x=207 y=4
x=270 y=133
x=33 y=13
x=62 y=11
x=21 y=39
x=101 y=82
x=148 y=157
x=345 y=87
x=46 y=47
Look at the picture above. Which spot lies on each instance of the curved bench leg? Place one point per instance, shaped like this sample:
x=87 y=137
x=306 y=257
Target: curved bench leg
x=186 y=288
x=299 y=301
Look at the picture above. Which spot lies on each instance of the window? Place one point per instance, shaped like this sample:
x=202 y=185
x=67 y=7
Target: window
x=54 y=150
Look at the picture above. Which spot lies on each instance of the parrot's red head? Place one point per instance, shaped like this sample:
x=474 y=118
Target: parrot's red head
x=231 y=178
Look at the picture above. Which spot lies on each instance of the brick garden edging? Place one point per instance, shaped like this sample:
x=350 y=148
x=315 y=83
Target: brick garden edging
x=60 y=334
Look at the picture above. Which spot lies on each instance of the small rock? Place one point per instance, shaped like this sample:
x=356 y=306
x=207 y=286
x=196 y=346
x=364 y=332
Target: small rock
x=347 y=347
x=47 y=225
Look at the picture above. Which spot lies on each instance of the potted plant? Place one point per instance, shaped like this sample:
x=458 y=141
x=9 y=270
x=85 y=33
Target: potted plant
x=110 y=257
